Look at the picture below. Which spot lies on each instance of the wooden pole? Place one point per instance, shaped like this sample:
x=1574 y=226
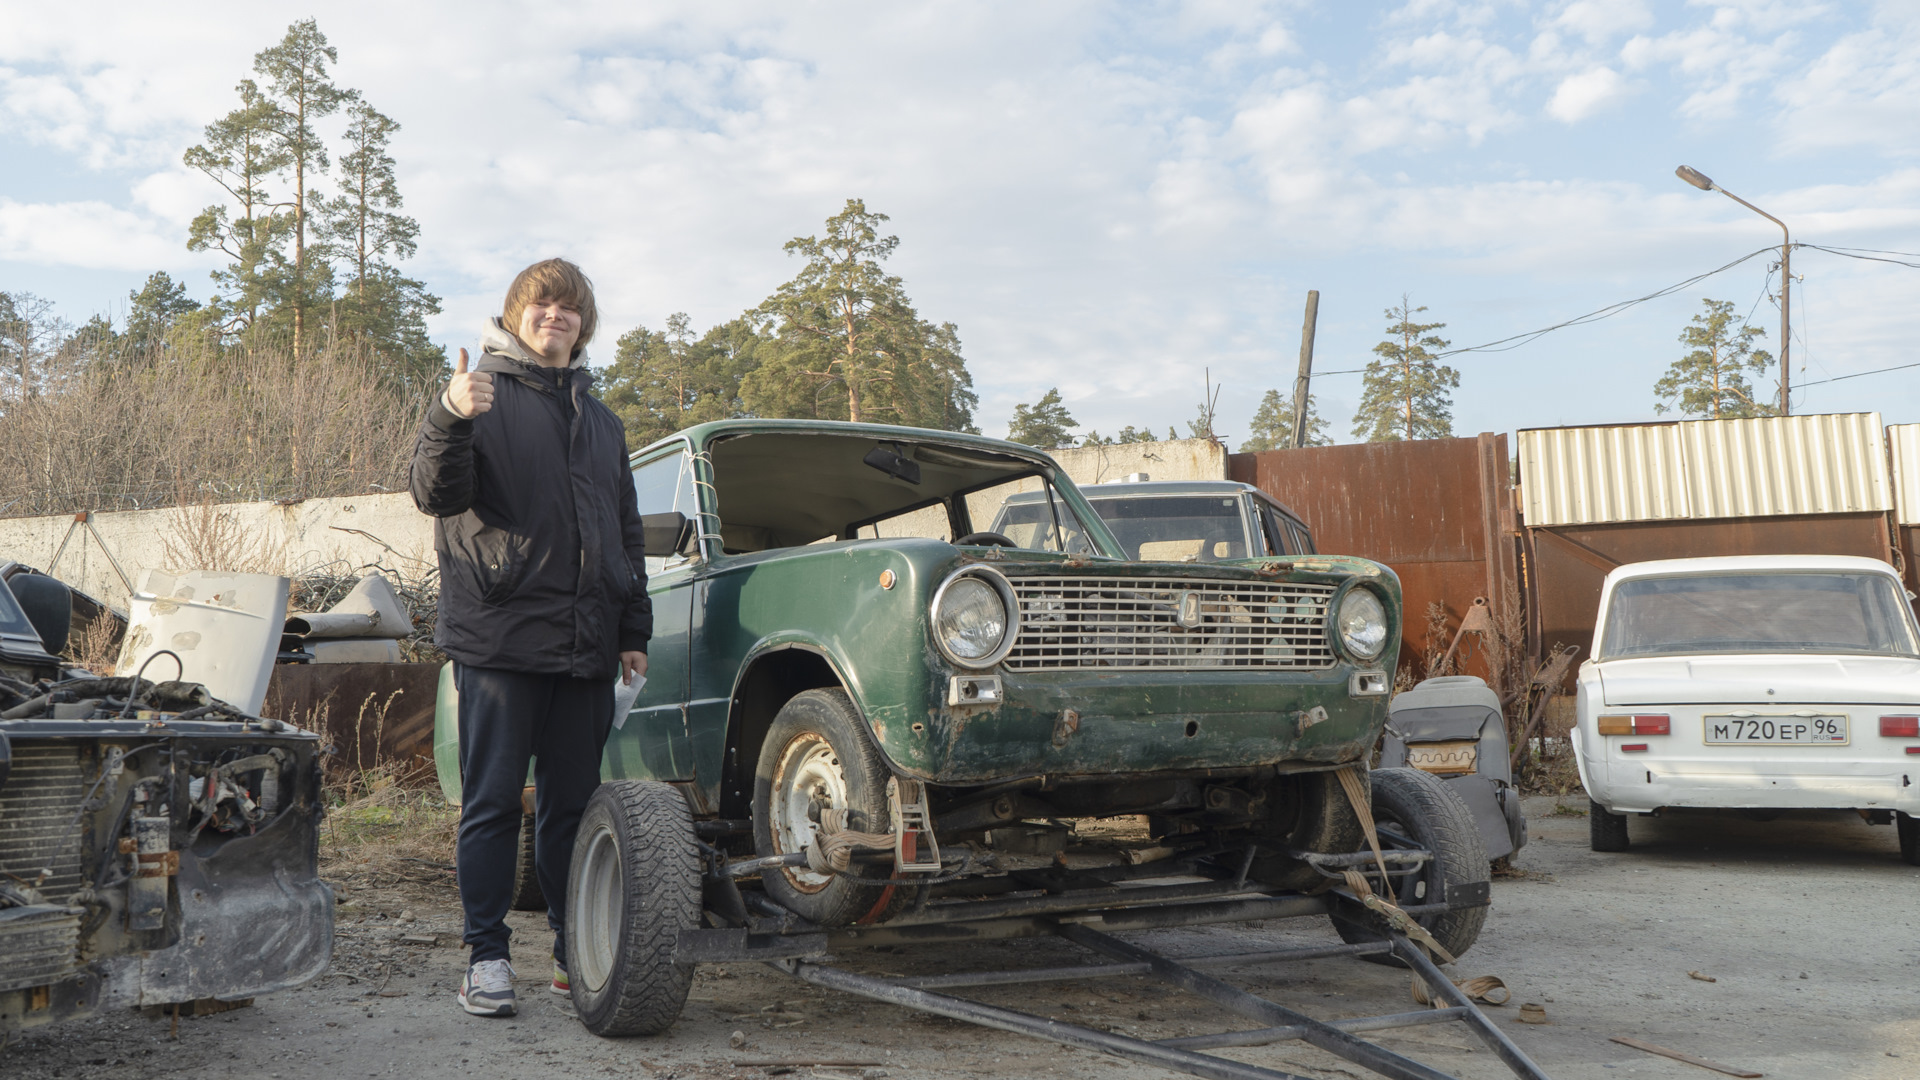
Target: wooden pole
x=1306 y=370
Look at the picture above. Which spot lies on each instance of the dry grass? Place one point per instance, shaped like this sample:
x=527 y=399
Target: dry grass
x=204 y=535
x=391 y=809
x=131 y=430
x=97 y=647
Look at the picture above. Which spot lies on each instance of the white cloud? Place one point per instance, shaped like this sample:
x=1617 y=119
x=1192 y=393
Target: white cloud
x=85 y=234
x=1104 y=199
x=1580 y=96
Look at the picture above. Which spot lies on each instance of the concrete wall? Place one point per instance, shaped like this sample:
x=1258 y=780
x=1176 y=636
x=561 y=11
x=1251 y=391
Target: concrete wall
x=280 y=539
x=290 y=539
x=1184 y=459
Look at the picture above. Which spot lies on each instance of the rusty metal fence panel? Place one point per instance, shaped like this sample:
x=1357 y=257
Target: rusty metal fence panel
x=1438 y=511
x=1704 y=469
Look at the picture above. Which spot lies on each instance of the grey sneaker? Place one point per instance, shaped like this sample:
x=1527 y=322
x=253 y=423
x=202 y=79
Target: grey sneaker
x=488 y=989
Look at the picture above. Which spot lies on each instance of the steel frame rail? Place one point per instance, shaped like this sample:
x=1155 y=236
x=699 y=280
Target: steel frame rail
x=1187 y=1054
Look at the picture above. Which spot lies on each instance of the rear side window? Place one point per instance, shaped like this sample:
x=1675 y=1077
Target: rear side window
x=1285 y=535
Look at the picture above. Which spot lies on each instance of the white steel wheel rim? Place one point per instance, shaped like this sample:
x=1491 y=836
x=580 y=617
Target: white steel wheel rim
x=809 y=779
x=602 y=903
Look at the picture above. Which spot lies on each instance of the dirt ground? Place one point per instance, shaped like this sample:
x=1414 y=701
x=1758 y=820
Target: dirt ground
x=1807 y=926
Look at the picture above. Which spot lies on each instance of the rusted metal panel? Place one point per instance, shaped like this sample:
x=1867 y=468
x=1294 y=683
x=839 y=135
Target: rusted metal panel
x=1567 y=564
x=1700 y=469
x=370 y=713
x=1438 y=511
x=1903 y=449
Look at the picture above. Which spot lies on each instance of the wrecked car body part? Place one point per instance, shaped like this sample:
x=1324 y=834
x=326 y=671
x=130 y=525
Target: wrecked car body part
x=225 y=628
x=157 y=845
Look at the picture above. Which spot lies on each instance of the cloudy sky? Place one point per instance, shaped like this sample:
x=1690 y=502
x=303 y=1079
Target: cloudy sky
x=1107 y=198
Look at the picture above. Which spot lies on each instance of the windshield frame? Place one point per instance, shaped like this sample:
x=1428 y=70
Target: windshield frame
x=1607 y=628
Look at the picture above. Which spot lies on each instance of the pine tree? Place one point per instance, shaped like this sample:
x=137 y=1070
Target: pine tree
x=380 y=308
x=1710 y=381
x=846 y=342
x=1045 y=424
x=241 y=155
x=154 y=308
x=1405 y=393
x=662 y=382
x=1272 y=425
x=299 y=91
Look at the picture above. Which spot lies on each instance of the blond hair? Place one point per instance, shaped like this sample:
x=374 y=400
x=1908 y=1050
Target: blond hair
x=557 y=280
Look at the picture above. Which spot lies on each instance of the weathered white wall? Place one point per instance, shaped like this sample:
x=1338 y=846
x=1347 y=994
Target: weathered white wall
x=287 y=539
x=1184 y=459
x=304 y=535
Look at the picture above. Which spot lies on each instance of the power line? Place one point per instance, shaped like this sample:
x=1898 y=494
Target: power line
x=1850 y=253
x=1858 y=374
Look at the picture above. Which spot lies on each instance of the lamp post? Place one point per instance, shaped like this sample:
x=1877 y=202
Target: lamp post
x=1697 y=179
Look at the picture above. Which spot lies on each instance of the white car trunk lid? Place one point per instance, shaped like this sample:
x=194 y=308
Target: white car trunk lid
x=1867 y=680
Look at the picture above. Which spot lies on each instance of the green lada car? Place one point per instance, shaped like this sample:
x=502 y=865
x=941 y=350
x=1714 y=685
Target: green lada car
x=880 y=711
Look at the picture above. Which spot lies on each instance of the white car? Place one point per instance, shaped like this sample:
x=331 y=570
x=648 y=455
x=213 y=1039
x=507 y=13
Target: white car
x=1764 y=682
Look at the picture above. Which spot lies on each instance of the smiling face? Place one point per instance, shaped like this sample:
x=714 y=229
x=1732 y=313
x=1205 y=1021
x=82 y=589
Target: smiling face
x=549 y=328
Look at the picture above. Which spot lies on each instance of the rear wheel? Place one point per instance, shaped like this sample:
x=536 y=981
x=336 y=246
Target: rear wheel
x=1909 y=830
x=1606 y=831
x=633 y=886
x=818 y=757
x=526 y=880
x=1413 y=810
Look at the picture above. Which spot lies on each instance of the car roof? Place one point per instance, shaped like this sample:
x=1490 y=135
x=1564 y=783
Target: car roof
x=703 y=434
x=1748 y=564
x=1153 y=488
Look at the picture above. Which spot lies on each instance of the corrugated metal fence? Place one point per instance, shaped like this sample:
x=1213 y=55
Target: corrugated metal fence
x=1599 y=497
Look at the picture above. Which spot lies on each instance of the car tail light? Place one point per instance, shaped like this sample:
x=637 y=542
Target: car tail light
x=1900 y=727
x=1658 y=724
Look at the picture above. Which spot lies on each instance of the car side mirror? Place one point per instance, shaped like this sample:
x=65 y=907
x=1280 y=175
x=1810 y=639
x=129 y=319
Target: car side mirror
x=667 y=534
x=48 y=605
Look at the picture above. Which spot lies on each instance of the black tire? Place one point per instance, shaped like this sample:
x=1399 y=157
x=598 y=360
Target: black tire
x=526 y=881
x=1909 y=830
x=1606 y=831
x=1413 y=809
x=633 y=885
x=819 y=755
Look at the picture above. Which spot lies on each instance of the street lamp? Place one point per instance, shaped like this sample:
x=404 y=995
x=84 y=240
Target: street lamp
x=1697 y=179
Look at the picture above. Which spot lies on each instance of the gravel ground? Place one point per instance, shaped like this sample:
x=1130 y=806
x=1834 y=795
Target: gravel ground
x=1807 y=926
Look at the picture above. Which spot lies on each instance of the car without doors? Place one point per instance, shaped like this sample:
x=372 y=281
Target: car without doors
x=1763 y=683
x=888 y=716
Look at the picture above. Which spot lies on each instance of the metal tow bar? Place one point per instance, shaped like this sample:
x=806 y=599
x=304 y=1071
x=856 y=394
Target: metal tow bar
x=1187 y=1055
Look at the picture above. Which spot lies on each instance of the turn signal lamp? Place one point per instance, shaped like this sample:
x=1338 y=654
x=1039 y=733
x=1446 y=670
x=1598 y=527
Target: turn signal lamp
x=1636 y=725
x=1900 y=727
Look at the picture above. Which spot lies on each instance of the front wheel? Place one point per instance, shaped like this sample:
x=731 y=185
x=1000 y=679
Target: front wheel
x=818 y=757
x=633 y=886
x=1413 y=810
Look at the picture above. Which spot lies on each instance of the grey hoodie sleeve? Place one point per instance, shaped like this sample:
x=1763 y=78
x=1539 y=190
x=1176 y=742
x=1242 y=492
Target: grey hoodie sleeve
x=441 y=475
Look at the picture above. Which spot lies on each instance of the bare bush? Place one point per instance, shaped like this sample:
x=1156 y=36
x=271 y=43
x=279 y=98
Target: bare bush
x=126 y=429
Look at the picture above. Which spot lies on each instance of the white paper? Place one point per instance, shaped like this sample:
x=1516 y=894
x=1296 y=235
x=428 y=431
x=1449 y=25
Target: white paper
x=623 y=698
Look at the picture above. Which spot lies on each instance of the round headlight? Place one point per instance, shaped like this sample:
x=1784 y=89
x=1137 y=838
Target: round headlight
x=1362 y=623
x=972 y=620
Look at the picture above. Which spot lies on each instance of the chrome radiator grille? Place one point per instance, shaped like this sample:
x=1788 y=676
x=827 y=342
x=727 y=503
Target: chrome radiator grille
x=37 y=807
x=1072 y=623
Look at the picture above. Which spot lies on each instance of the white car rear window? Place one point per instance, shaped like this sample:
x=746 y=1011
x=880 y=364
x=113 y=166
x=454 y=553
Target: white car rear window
x=1758 y=612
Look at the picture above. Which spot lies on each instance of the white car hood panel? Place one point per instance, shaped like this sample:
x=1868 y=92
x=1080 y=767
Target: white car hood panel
x=1875 y=680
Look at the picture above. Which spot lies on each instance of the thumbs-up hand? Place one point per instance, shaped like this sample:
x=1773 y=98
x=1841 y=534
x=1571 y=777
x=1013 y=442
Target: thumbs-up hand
x=469 y=393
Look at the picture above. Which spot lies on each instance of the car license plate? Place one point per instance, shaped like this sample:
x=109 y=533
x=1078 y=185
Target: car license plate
x=1777 y=730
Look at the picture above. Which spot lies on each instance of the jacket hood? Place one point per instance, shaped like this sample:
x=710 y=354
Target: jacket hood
x=497 y=341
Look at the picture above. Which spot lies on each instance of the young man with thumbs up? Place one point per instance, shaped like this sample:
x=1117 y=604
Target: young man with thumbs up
x=543 y=597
